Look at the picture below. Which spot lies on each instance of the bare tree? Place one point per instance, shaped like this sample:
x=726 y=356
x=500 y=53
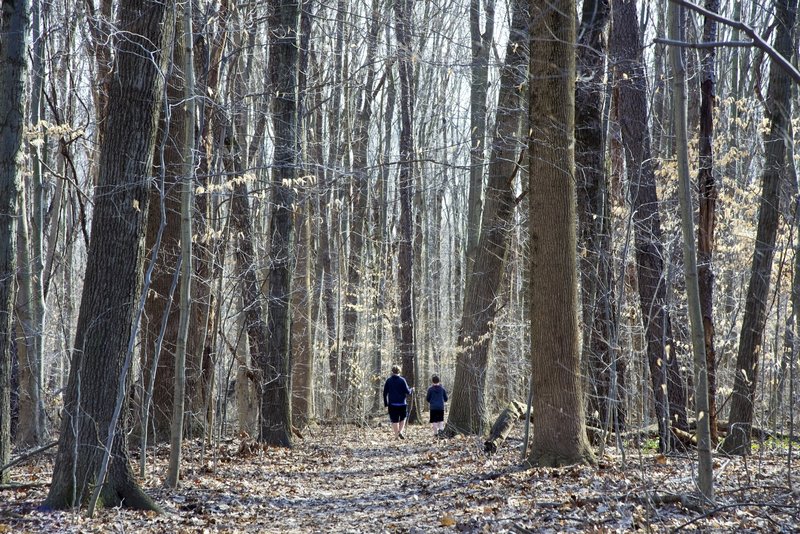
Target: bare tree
x=303 y=325
x=114 y=281
x=631 y=110
x=482 y=42
x=359 y=191
x=708 y=200
x=275 y=364
x=13 y=68
x=558 y=408
x=468 y=411
x=405 y=249
x=778 y=111
x=186 y=41
x=594 y=238
x=676 y=30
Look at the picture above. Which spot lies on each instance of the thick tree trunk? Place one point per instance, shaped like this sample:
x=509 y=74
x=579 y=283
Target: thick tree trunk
x=168 y=165
x=558 y=408
x=778 y=112
x=668 y=390
x=405 y=251
x=468 y=410
x=14 y=28
x=275 y=365
x=113 y=281
x=593 y=209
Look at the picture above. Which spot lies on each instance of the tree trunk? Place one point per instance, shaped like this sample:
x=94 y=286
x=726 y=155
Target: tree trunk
x=201 y=348
x=303 y=324
x=707 y=218
x=778 y=112
x=275 y=364
x=503 y=426
x=13 y=67
x=405 y=250
x=669 y=395
x=30 y=429
x=705 y=473
x=168 y=165
x=35 y=304
x=113 y=280
x=380 y=213
x=468 y=410
x=186 y=42
x=482 y=43
x=359 y=192
x=593 y=217
x=558 y=407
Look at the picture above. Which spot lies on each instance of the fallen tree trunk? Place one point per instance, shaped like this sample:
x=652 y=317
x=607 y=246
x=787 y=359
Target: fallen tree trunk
x=503 y=425
x=18 y=460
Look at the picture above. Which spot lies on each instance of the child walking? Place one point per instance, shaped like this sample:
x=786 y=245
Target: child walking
x=436 y=397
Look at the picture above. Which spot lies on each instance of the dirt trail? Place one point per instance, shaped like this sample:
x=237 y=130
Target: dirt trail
x=348 y=479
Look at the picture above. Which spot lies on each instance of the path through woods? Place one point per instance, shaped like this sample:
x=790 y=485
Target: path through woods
x=347 y=479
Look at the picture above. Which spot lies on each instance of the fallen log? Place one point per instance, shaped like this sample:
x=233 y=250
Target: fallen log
x=503 y=425
x=18 y=460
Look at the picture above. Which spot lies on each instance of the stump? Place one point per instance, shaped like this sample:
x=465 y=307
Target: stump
x=503 y=425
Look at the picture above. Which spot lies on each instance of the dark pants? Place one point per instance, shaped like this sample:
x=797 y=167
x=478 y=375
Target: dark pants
x=397 y=413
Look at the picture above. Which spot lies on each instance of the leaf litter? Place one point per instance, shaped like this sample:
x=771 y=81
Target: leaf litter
x=360 y=479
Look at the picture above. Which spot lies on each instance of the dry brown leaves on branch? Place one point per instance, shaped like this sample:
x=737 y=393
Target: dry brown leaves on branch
x=347 y=479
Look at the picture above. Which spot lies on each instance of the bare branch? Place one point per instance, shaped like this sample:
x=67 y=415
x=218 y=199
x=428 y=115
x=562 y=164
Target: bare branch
x=714 y=44
x=758 y=41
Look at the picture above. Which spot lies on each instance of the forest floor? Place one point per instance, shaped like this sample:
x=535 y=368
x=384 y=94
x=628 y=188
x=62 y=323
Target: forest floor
x=361 y=479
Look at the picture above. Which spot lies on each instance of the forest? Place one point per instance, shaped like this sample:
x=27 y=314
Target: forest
x=224 y=222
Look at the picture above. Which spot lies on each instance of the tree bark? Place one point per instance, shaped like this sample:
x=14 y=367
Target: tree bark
x=113 y=280
x=631 y=84
x=405 y=250
x=558 y=409
x=482 y=43
x=186 y=42
x=275 y=364
x=169 y=164
x=32 y=307
x=778 y=103
x=13 y=69
x=594 y=242
x=30 y=428
x=503 y=426
x=707 y=218
x=705 y=469
x=303 y=324
x=468 y=411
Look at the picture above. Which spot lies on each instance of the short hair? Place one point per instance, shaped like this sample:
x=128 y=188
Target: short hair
x=435 y=379
x=395 y=369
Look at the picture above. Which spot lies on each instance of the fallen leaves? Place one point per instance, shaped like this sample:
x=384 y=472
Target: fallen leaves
x=348 y=479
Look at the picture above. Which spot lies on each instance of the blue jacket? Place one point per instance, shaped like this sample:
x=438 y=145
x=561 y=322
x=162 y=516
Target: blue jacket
x=436 y=397
x=395 y=391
